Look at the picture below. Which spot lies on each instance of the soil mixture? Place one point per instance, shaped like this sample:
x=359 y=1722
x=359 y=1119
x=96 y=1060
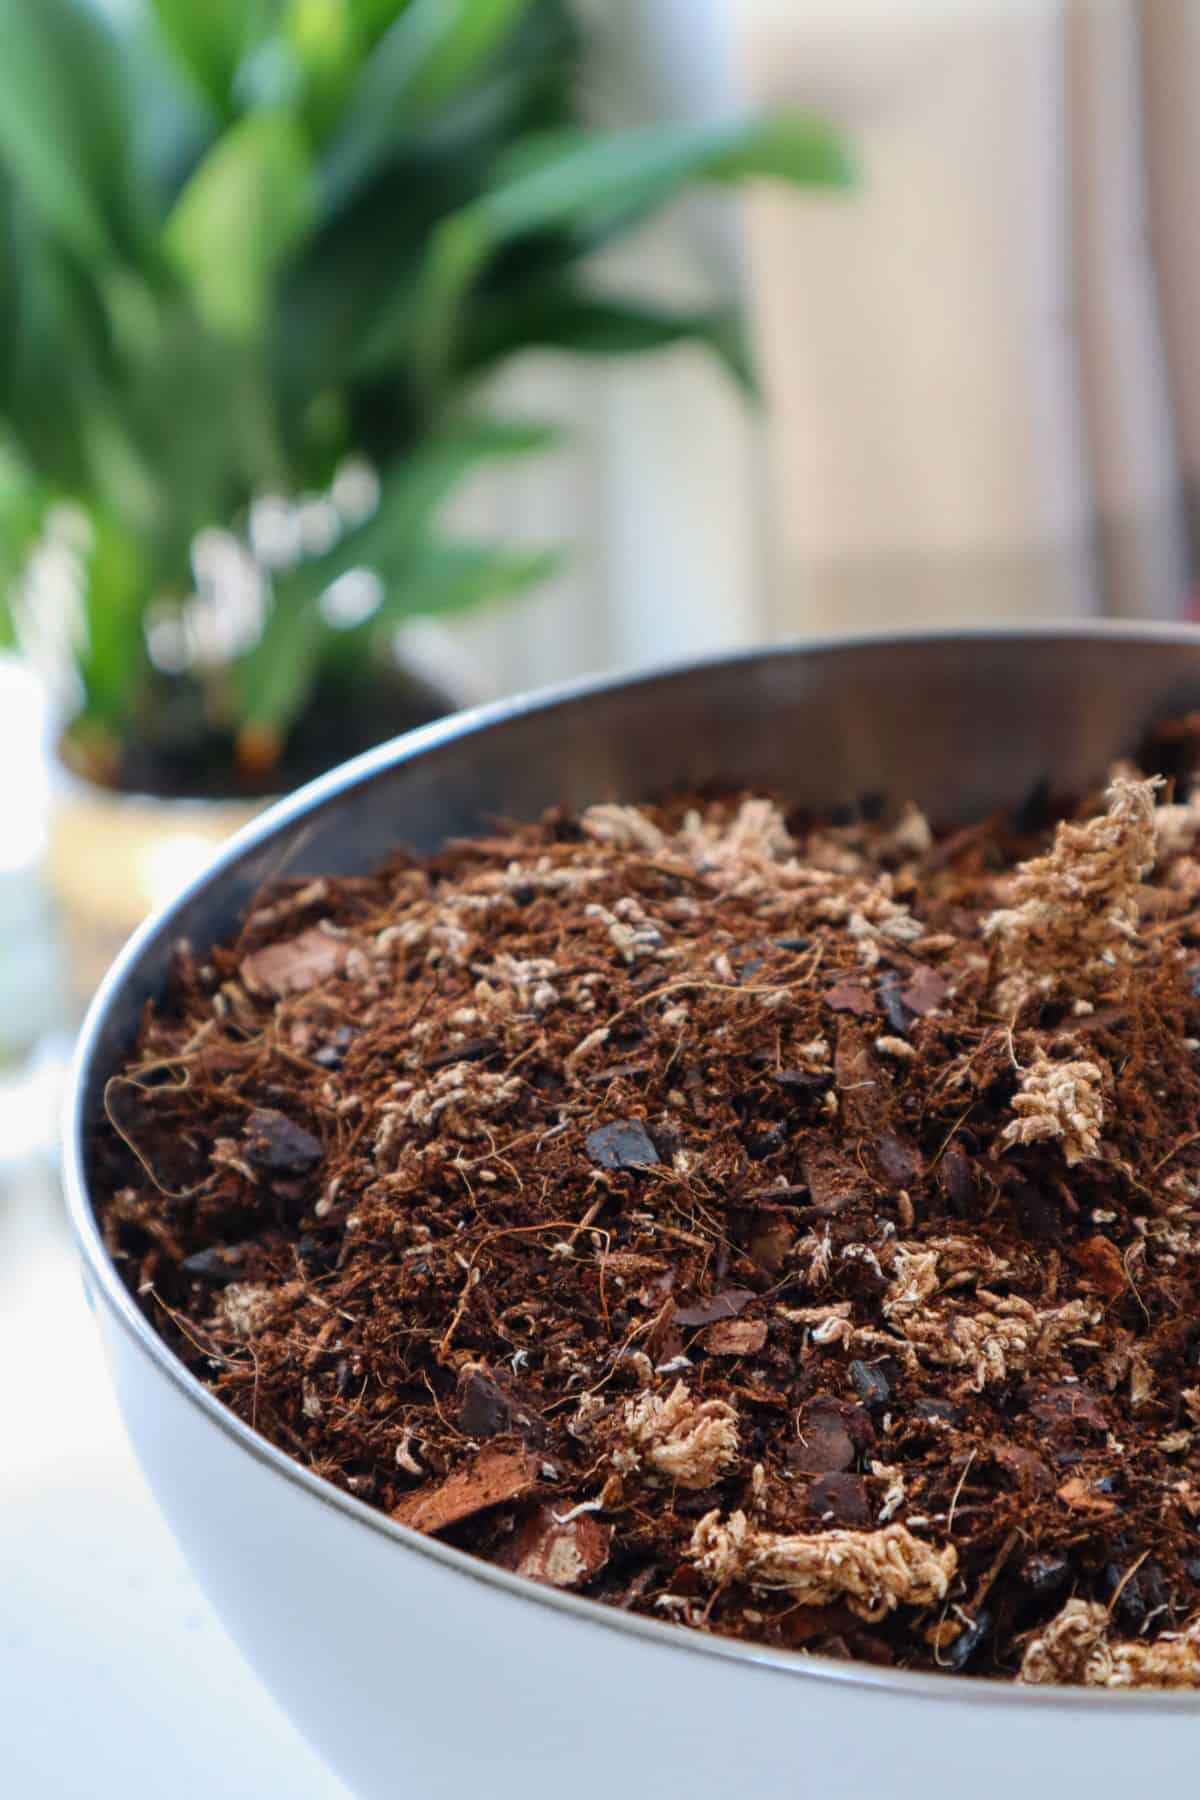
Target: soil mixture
x=178 y=753
x=787 y=1229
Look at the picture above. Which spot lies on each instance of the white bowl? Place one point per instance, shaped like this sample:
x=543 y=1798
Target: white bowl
x=415 y=1669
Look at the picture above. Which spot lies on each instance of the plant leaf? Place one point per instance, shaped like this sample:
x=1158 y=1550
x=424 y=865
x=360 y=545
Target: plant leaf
x=585 y=182
x=270 y=683
x=209 y=40
x=271 y=688
x=436 y=578
x=414 y=488
x=599 y=325
x=360 y=263
x=327 y=39
x=369 y=125
x=197 y=411
x=430 y=55
x=411 y=492
x=112 y=660
x=243 y=209
x=453 y=577
x=548 y=177
x=372 y=17
x=401 y=205
x=64 y=122
x=51 y=374
x=23 y=505
x=472 y=32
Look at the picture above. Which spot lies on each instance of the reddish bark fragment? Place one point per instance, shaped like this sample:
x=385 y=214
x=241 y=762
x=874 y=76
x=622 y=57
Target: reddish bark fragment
x=1101 y=1262
x=850 y=996
x=1080 y=1497
x=296 y=965
x=493 y=1477
x=725 y=1305
x=558 y=1553
x=923 y=990
x=735 y=1337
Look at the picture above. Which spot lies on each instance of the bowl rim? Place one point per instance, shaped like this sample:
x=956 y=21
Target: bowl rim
x=102 y=1277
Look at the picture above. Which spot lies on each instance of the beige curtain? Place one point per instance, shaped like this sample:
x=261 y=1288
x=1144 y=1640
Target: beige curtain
x=976 y=406
x=982 y=368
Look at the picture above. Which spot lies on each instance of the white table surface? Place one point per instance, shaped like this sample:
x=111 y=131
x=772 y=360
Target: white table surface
x=115 y=1677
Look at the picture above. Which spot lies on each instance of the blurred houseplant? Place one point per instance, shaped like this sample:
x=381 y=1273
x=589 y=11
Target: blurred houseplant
x=258 y=256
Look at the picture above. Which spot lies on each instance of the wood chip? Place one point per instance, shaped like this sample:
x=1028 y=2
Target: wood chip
x=1077 y=1494
x=296 y=965
x=850 y=996
x=924 y=990
x=864 y=1090
x=725 y=1305
x=559 y=1554
x=1101 y=1262
x=832 y=1434
x=735 y=1337
x=1024 y=1468
x=493 y=1477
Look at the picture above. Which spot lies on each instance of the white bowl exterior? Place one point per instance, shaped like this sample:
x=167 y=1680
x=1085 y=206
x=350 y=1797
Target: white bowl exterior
x=412 y=1680
x=414 y=1670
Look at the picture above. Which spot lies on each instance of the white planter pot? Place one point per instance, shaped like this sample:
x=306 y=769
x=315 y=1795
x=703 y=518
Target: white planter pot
x=415 y=1680
x=113 y=858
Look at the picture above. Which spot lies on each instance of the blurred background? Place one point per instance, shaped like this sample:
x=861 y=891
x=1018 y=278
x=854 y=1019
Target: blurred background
x=365 y=359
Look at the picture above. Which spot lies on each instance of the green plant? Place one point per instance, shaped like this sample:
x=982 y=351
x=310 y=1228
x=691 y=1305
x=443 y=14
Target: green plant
x=247 y=240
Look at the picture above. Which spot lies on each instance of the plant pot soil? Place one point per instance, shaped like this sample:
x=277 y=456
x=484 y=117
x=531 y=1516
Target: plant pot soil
x=785 y=1228
x=120 y=849
x=177 y=754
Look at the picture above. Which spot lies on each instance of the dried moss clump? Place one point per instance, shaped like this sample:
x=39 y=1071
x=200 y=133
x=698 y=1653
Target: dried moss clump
x=1071 y=924
x=1077 y=1650
x=1060 y=1101
x=873 y=1571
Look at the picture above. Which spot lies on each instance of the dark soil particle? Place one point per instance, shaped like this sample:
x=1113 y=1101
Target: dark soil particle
x=626 y=1144
x=788 y=1230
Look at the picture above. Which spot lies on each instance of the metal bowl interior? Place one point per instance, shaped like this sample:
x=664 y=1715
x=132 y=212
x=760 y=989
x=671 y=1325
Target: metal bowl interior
x=959 y=723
